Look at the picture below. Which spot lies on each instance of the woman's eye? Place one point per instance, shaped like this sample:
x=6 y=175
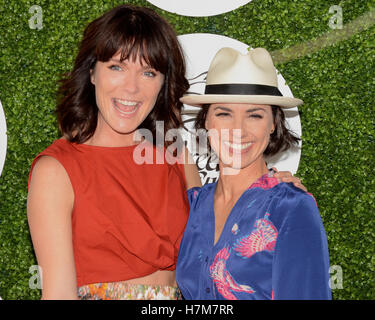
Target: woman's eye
x=115 y=67
x=257 y=116
x=222 y=114
x=150 y=74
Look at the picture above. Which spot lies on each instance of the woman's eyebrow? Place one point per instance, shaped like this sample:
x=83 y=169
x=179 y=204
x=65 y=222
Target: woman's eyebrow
x=255 y=109
x=223 y=108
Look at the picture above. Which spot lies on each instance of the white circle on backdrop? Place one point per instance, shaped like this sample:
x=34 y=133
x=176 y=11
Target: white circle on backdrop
x=198 y=8
x=3 y=138
x=199 y=49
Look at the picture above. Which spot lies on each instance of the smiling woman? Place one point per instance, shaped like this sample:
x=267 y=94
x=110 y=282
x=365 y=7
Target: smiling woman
x=121 y=39
x=104 y=227
x=248 y=235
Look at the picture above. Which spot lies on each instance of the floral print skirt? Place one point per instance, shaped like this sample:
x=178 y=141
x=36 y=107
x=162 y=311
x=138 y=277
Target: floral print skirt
x=125 y=291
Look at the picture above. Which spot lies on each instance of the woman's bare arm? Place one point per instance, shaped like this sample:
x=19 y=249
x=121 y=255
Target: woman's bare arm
x=49 y=210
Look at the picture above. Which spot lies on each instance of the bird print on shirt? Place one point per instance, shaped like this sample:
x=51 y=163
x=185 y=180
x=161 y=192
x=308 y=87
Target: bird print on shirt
x=223 y=280
x=263 y=238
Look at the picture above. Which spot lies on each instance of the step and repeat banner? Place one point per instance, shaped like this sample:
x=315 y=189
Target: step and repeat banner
x=324 y=52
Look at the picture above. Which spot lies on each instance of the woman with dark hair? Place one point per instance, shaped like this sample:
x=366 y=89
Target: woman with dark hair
x=101 y=221
x=248 y=235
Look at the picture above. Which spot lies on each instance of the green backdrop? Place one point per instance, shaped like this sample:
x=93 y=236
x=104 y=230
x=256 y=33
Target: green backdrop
x=331 y=70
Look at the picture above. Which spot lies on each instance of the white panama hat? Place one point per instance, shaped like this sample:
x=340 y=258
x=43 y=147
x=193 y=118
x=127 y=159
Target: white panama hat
x=241 y=78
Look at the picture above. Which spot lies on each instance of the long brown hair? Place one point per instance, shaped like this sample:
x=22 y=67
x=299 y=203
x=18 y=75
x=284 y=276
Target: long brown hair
x=133 y=31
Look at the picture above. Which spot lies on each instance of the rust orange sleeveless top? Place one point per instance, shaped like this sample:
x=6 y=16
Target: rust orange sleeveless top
x=128 y=219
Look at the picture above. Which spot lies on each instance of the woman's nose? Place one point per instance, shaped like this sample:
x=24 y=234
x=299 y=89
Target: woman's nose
x=238 y=130
x=131 y=83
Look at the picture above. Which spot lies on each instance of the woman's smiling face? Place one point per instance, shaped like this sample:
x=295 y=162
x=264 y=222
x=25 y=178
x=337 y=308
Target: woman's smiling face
x=126 y=92
x=239 y=133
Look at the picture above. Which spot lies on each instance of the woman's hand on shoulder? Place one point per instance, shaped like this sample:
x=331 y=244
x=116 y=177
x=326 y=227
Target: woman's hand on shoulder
x=286 y=176
x=191 y=172
x=49 y=210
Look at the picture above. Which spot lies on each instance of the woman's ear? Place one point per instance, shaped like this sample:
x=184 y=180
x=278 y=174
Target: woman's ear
x=92 y=76
x=273 y=128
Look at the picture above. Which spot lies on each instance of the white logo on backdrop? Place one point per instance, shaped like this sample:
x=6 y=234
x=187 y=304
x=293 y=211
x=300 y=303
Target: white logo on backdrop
x=198 y=8
x=199 y=50
x=3 y=138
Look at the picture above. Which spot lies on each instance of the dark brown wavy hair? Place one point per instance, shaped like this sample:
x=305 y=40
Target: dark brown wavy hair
x=280 y=140
x=135 y=32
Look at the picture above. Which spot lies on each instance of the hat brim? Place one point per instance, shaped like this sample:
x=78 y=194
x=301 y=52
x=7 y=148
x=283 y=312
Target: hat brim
x=199 y=100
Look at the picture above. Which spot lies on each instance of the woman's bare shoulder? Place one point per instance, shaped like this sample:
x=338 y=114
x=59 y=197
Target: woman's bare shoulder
x=48 y=168
x=50 y=182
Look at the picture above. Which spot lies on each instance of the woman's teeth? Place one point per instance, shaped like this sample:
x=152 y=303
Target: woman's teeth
x=126 y=107
x=126 y=102
x=237 y=146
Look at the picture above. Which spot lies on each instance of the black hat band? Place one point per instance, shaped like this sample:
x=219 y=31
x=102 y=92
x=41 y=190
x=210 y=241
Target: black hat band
x=242 y=89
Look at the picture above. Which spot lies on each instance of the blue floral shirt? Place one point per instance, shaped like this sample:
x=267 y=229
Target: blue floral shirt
x=273 y=246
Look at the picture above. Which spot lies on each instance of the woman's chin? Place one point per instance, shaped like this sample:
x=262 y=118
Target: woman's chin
x=123 y=126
